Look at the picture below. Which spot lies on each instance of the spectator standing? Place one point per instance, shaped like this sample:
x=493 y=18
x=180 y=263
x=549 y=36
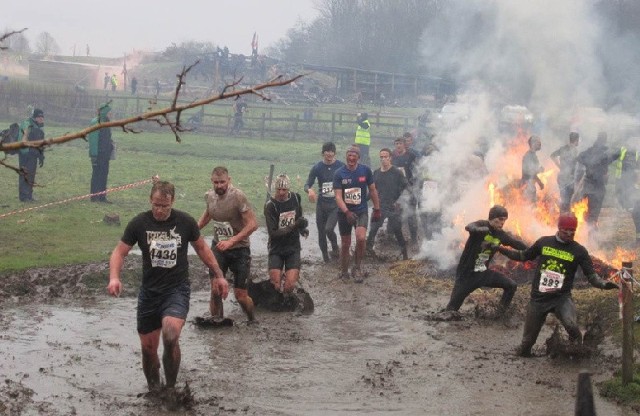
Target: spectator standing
x=363 y=137
x=134 y=85
x=30 y=158
x=100 y=151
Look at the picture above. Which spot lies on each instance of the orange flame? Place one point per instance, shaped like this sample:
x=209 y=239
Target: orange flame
x=492 y=194
x=580 y=210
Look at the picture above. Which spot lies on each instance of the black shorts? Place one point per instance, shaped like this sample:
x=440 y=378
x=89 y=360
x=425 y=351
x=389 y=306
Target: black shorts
x=238 y=260
x=290 y=260
x=344 y=226
x=152 y=308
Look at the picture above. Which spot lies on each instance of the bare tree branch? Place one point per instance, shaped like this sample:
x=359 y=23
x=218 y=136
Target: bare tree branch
x=8 y=35
x=160 y=116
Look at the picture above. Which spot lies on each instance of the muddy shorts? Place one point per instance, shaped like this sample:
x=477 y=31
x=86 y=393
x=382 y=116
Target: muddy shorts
x=238 y=260
x=152 y=308
x=290 y=260
x=344 y=226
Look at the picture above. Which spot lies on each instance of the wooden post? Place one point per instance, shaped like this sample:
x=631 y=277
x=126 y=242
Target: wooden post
x=584 y=396
x=627 y=324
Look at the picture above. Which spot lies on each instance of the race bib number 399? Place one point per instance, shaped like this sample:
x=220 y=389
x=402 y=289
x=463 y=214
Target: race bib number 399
x=550 y=281
x=353 y=196
x=163 y=253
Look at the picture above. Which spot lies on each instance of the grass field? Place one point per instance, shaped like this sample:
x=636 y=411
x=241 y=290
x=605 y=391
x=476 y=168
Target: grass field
x=73 y=232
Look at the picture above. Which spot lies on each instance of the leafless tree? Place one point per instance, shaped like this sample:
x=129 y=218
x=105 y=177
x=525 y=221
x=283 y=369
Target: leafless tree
x=46 y=45
x=169 y=116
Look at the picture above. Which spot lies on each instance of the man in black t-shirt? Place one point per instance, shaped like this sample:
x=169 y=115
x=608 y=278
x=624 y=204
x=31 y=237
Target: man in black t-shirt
x=163 y=302
x=285 y=225
x=559 y=257
x=473 y=270
x=390 y=183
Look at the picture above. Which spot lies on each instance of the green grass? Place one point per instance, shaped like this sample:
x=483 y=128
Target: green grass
x=73 y=232
x=628 y=394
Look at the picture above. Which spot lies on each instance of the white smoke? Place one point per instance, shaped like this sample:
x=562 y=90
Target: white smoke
x=540 y=54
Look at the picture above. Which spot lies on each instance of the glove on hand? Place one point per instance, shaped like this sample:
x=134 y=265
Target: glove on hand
x=352 y=218
x=304 y=232
x=41 y=164
x=376 y=215
x=302 y=223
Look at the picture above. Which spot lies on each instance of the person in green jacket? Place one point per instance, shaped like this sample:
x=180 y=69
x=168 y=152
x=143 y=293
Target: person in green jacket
x=100 y=149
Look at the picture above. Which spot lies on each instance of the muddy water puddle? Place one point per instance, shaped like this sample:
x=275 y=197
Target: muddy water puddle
x=365 y=350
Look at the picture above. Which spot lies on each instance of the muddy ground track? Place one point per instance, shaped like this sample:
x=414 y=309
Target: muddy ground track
x=370 y=348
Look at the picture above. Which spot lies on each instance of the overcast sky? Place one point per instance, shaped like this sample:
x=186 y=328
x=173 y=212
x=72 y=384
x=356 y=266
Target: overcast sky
x=113 y=27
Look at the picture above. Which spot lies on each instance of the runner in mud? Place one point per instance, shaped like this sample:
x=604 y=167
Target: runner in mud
x=163 y=302
x=326 y=207
x=285 y=225
x=473 y=269
x=233 y=222
x=565 y=159
x=558 y=259
x=353 y=184
x=390 y=182
x=530 y=169
x=405 y=161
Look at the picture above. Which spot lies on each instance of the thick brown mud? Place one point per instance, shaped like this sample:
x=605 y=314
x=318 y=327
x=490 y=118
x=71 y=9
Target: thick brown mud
x=367 y=349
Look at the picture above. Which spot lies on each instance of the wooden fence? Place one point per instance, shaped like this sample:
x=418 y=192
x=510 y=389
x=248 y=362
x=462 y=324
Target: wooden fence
x=262 y=120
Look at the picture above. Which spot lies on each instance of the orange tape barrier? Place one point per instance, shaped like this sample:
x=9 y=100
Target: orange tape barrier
x=77 y=198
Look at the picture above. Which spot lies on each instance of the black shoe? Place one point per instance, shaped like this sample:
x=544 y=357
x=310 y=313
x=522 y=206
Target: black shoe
x=405 y=256
x=325 y=257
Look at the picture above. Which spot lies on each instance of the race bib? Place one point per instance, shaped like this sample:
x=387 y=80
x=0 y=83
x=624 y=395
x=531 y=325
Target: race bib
x=222 y=230
x=327 y=190
x=481 y=262
x=286 y=219
x=550 y=281
x=353 y=196
x=163 y=253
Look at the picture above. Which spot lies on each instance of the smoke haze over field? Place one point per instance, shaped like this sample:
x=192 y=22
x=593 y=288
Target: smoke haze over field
x=546 y=55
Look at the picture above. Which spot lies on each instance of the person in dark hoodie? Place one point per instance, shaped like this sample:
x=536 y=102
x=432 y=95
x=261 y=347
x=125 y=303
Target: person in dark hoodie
x=100 y=149
x=596 y=161
x=558 y=259
x=29 y=158
x=473 y=269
